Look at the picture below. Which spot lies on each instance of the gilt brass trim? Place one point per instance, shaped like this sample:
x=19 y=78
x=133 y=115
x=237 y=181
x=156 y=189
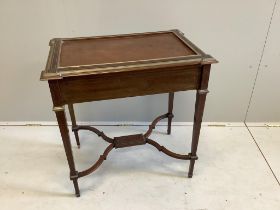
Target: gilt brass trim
x=85 y=70
x=58 y=108
x=201 y=92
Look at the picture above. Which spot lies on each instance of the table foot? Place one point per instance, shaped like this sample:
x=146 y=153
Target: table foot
x=74 y=178
x=76 y=186
x=190 y=173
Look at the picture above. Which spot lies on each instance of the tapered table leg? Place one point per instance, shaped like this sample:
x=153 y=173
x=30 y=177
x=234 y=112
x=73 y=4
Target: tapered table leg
x=74 y=124
x=199 y=109
x=62 y=123
x=170 y=111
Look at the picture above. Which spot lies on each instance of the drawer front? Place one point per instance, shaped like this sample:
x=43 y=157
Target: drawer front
x=128 y=84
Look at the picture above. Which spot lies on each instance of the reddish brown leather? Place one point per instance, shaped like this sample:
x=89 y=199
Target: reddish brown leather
x=121 y=49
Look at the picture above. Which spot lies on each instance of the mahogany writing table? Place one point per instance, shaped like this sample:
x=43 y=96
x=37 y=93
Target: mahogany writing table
x=107 y=67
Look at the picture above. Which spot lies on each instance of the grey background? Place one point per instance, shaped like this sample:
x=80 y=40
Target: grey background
x=243 y=35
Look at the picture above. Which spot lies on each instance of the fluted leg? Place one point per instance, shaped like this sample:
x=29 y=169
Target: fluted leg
x=62 y=123
x=198 y=115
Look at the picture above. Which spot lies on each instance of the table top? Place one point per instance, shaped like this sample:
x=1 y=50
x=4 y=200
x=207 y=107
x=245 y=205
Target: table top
x=116 y=53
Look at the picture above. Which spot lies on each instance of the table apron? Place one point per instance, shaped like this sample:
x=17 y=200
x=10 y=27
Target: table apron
x=128 y=84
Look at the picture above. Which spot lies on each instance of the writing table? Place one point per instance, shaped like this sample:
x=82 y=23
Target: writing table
x=106 y=67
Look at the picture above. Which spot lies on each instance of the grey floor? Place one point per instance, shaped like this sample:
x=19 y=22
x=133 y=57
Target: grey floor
x=234 y=171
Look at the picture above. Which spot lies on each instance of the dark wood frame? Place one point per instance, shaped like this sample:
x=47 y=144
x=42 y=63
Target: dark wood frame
x=77 y=85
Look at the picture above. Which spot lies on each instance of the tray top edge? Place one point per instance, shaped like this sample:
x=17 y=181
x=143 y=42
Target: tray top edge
x=57 y=39
x=53 y=71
